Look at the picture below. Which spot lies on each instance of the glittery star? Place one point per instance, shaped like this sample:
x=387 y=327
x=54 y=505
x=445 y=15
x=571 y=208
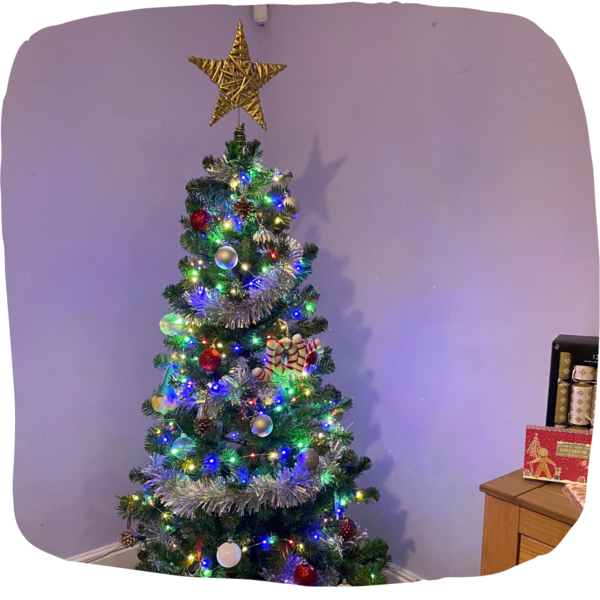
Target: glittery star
x=238 y=78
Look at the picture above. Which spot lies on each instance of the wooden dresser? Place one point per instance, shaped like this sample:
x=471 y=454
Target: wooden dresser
x=523 y=518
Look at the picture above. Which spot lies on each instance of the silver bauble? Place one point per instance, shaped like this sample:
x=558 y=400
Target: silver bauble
x=229 y=554
x=293 y=202
x=226 y=257
x=261 y=425
x=172 y=324
x=308 y=459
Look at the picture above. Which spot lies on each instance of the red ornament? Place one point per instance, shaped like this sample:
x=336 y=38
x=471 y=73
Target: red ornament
x=305 y=574
x=210 y=359
x=348 y=529
x=199 y=547
x=311 y=359
x=200 y=220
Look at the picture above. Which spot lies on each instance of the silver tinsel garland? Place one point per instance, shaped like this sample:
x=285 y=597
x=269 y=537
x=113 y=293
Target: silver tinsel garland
x=223 y=171
x=239 y=381
x=155 y=532
x=221 y=495
x=336 y=542
x=233 y=387
x=263 y=294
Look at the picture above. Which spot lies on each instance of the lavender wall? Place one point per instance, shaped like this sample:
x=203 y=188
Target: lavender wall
x=442 y=160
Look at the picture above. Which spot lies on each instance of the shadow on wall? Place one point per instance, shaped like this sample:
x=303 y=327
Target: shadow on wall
x=347 y=331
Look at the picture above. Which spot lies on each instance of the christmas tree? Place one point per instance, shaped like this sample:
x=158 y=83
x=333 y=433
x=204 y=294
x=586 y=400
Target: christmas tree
x=251 y=470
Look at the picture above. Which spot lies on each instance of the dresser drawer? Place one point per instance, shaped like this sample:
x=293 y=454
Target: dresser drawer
x=530 y=548
x=541 y=528
x=523 y=518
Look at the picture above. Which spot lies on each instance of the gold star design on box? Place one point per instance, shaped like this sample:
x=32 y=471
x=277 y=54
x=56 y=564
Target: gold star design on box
x=238 y=78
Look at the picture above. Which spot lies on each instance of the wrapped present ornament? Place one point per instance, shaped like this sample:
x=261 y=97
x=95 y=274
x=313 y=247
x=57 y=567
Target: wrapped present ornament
x=557 y=454
x=276 y=362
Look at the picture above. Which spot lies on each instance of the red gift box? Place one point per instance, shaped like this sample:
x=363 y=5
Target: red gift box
x=557 y=454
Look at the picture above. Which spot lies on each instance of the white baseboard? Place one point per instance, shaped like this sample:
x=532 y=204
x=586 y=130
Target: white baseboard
x=397 y=574
x=126 y=558
x=112 y=555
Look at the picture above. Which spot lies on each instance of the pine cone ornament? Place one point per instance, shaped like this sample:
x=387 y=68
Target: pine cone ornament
x=202 y=425
x=128 y=539
x=243 y=208
x=347 y=530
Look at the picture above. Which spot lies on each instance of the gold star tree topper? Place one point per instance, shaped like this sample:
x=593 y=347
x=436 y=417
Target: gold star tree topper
x=238 y=78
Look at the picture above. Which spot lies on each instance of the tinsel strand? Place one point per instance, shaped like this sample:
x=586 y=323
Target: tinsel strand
x=221 y=495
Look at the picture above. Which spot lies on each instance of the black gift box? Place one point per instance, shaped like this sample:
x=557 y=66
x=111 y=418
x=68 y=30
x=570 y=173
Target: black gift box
x=584 y=350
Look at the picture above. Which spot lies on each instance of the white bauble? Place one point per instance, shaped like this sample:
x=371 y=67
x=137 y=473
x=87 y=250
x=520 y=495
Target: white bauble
x=229 y=554
x=293 y=202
